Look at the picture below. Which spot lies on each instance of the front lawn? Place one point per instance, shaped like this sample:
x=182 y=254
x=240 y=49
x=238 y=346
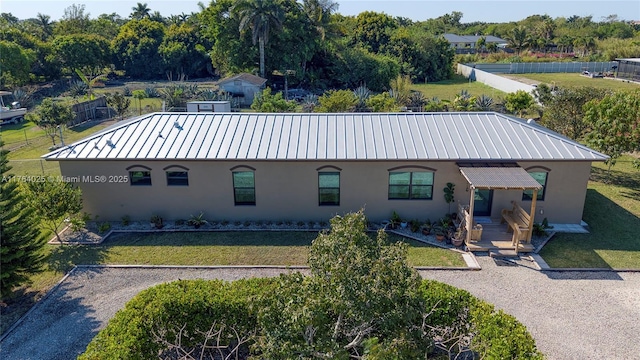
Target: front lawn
x=612 y=211
x=220 y=248
x=193 y=248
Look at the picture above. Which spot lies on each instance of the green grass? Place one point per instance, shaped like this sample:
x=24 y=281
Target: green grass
x=189 y=248
x=219 y=248
x=612 y=211
x=25 y=157
x=448 y=89
x=576 y=80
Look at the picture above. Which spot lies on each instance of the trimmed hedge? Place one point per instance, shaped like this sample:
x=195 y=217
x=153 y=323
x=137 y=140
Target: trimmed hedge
x=494 y=334
x=190 y=305
x=194 y=305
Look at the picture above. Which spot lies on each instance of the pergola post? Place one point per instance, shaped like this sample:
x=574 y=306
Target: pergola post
x=532 y=214
x=469 y=224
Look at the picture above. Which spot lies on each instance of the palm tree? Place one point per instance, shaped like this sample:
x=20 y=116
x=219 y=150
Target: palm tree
x=259 y=15
x=140 y=11
x=481 y=43
x=319 y=13
x=518 y=39
x=43 y=21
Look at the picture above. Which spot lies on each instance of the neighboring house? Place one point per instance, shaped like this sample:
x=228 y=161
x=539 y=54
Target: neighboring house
x=244 y=86
x=628 y=69
x=467 y=43
x=254 y=166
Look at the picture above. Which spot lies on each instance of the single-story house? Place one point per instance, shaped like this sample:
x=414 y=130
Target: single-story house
x=467 y=43
x=297 y=166
x=628 y=69
x=244 y=86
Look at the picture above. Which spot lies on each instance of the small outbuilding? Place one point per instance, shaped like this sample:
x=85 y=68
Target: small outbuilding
x=243 y=86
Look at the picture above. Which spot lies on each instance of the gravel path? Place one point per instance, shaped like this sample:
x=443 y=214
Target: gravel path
x=572 y=315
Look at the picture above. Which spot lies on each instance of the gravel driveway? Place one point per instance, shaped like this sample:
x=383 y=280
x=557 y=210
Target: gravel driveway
x=572 y=315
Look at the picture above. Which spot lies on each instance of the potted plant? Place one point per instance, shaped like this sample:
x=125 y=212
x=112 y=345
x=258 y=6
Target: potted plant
x=156 y=221
x=458 y=237
x=395 y=220
x=415 y=225
x=439 y=231
x=197 y=221
x=426 y=227
x=448 y=194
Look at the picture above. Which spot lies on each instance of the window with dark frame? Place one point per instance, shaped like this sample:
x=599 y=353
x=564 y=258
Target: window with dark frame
x=541 y=178
x=177 y=178
x=140 y=178
x=411 y=185
x=329 y=188
x=244 y=189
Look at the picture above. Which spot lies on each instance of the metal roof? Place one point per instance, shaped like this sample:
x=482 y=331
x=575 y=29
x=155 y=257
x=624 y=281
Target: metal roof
x=335 y=136
x=250 y=78
x=499 y=178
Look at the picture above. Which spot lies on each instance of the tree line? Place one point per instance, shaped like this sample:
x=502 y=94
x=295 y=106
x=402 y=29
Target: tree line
x=309 y=41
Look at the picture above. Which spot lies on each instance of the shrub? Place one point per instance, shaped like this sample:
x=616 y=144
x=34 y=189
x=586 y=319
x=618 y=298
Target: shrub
x=190 y=305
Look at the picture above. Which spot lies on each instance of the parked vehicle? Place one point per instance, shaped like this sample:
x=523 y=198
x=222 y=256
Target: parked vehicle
x=10 y=110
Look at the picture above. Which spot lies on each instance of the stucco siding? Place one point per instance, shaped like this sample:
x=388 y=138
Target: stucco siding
x=288 y=190
x=565 y=193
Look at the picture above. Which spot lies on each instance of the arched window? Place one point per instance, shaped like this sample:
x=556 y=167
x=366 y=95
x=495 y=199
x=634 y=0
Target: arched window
x=244 y=185
x=139 y=175
x=411 y=183
x=177 y=175
x=541 y=174
x=329 y=186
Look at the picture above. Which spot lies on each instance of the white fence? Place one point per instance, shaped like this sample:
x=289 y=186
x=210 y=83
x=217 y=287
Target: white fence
x=495 y=81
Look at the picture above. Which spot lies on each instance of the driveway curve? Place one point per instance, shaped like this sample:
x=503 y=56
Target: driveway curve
x=572 y=315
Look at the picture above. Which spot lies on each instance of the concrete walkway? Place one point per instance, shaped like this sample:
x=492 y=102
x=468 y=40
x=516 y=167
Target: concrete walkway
x=575 y=315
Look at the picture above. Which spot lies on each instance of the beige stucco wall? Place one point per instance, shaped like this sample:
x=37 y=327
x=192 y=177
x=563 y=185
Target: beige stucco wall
x=289 y=191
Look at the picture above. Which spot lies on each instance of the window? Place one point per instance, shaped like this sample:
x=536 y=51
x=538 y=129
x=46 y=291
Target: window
x=244 y=188
x=329 y=188
x=140 y=178
x=177 y=178
x=411 y=185
x=541 y=177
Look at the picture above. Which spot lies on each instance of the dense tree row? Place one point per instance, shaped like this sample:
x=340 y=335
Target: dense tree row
x=308 y=40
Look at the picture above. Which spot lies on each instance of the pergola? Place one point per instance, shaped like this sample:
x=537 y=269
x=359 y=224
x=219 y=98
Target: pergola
x=499 y=178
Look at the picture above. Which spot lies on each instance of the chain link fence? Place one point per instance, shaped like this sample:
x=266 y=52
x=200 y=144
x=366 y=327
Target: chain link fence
x=34 y=167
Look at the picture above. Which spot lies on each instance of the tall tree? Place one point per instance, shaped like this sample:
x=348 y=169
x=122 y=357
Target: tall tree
x=21 y=245
x=136 y=48
x=140 y=11
x=15 y=64
x=45 y=25
x=260 y=16
x=518 y=39
x=74 y=21
x=564 y=109
x=319 y=13
x=615 y=124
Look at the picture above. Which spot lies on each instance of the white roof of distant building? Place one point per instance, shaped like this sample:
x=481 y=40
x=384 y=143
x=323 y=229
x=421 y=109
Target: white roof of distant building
x=343 y=136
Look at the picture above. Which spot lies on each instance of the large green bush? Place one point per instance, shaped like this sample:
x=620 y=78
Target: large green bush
x=185 y=307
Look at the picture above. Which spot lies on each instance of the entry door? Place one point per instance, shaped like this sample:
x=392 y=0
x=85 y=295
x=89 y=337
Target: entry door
x=482 y=202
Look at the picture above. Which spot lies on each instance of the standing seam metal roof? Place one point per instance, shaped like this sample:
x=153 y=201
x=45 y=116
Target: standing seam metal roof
x=342 y=136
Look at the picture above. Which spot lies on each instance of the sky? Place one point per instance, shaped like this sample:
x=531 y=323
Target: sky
x=486 y=11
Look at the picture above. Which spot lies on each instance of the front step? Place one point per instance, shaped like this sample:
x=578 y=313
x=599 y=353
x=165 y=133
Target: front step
x=503 y=253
